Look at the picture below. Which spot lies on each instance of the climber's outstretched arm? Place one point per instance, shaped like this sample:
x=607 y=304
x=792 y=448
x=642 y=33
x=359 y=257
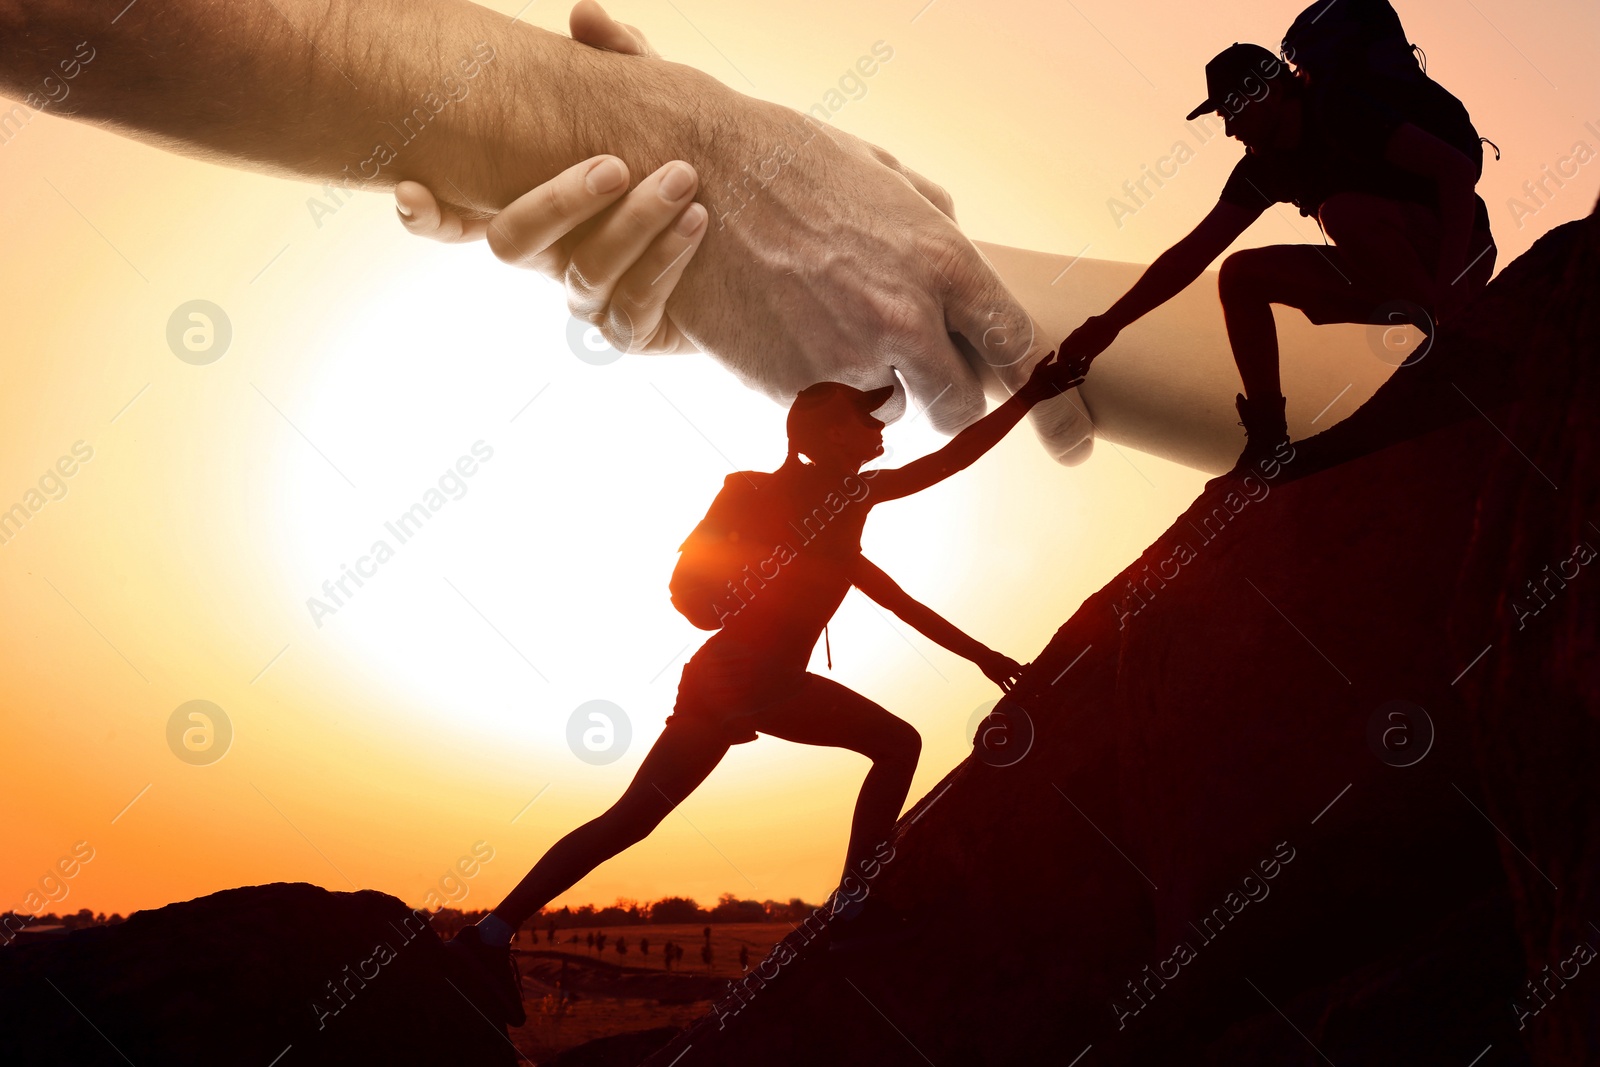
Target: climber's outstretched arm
x=871 y=580
x=1047 y=381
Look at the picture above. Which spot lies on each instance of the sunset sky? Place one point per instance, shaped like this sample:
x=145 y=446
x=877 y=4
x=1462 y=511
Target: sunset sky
x=373 y=747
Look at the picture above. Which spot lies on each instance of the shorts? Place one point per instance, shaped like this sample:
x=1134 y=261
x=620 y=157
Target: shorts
x=1360 y=302
x=727 y=685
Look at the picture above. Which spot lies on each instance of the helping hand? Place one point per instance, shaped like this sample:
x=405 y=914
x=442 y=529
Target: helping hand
x=1088 y=341
x=619 y=256
x=848 y=269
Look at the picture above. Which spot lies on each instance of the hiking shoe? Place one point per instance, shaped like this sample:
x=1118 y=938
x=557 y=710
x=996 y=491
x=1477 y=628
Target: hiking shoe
x=867 y=925
x=493 y=973
x=1266 y=430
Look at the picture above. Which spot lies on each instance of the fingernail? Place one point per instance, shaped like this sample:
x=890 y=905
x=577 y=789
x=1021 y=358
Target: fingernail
x=692 y=221
x=676 y=183
x=398 y=206
x=606 y=176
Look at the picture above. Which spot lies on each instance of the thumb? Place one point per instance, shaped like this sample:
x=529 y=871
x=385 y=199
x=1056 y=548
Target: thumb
x=592 y=26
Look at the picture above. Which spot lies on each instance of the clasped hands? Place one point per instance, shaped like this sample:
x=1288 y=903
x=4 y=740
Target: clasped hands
x=913 y=281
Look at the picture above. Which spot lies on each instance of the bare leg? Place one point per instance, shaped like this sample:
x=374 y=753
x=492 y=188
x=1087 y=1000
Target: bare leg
x=1247 y=311
x=1312 y=278
x=677 y=763
x=826 y=713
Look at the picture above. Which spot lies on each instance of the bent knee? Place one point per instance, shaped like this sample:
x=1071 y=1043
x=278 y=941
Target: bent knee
x=902 y=745
x=1241 y=274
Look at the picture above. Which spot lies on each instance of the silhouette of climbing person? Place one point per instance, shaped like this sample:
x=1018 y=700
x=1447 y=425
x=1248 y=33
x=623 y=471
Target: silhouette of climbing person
x=706 y=933
x=705 y=954
x=644 y=946
x=750 y=676
x=744 y=957
x=600 y=942
x=622 y=946
x=667 y=955
x=550 y=932
x=1411 y=240
x=589 y=939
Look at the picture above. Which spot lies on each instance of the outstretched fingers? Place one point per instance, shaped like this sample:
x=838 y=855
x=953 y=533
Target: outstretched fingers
x=637 y=315
x=534 y=229
x=621 y=274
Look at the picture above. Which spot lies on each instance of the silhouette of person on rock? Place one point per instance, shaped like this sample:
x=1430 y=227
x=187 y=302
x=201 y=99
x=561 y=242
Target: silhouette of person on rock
x=803 y=524
x=1342 y=138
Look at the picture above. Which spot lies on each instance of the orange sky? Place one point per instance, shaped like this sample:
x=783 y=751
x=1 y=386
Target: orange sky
x=207 y=503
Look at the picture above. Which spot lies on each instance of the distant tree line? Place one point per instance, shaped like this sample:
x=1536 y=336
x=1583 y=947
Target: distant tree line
x=674 y=910
x=13 y=923
x=668 y=910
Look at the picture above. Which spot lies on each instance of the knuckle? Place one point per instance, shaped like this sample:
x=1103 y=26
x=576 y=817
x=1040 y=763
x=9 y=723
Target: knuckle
x=645 y=216
x=588 y=310
x=622 y=328
x=500 y=243
x=561 y=202
x=897 y=319
x=1066 y=433
x=630 y=300
x=961 y=404
x=621 y=340
x=1005 y=345
x=549 y=263
x=944 y=248
x=584 y=284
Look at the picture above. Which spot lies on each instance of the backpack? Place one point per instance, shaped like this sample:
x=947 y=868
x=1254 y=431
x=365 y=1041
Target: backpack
x=731 y=539
x=1360 y=45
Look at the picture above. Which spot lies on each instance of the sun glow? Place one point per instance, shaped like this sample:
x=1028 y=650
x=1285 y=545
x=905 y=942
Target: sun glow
x=489 y=533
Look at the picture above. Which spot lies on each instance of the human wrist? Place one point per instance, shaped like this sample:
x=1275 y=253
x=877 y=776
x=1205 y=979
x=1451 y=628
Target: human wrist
x=1111 y=321
x=560 y=102
x=646 y=110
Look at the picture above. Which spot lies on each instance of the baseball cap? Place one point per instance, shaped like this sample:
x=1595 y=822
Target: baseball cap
x=1230 y=74
x=818 y=404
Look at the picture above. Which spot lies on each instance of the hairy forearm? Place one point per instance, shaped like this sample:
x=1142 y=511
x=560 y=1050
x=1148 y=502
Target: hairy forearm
x=361 y=92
